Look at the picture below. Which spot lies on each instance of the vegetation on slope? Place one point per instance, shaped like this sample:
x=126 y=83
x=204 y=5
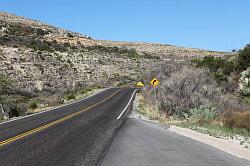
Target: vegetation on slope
x=223 y=67
x=13 y=102
x=206 y=95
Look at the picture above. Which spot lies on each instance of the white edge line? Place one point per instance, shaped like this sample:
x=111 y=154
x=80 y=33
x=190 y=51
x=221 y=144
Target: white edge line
x=126 y=105
x=22 y=117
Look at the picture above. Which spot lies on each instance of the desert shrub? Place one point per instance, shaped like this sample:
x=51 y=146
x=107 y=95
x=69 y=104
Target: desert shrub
x=70 y=35
x=85 y=90
x=220 y=76
x=40 y=32
x=33 y=104
x=4 y=39
x=220 y=67
x=5 y=84
x=237 y=119
x=80 y=85
x=70 y=62
x=187 y=89
x=230 y=102
x=69 y=95
x=18 y=109
x=15 y=105
x=243 y=60
x=130 y=53
x=13 y=101
x=98 y=86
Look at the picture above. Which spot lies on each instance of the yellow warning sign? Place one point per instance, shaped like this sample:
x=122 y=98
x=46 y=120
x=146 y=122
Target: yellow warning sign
x=154 y=82
x=139 y=84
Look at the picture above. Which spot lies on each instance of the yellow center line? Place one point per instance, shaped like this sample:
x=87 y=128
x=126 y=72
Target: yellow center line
x=7 y=141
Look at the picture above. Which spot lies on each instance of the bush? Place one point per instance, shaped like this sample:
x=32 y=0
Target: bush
x=14 y=106
x=203 y=114
x=85 y=90
x=222 y=67
x=70 y=35
x=5 y=85
x=4 y=39
x=237 y=119
x=70 y=96
x=18 y=109
x=33 y=104
x=219 y=66
x=130 y=53
x=187 y=89
x=243 y=61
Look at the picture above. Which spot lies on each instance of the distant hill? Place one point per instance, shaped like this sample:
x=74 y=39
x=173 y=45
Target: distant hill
x=43 y=58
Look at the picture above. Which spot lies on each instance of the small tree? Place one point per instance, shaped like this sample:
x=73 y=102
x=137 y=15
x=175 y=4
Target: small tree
x=244 y=58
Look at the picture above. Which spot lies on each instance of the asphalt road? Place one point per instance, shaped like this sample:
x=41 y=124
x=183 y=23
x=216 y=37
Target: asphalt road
x=77 y=134
x=141 y=143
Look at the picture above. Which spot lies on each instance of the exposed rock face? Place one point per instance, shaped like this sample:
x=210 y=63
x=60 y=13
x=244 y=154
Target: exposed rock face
x=40 y=57
x=245 y=82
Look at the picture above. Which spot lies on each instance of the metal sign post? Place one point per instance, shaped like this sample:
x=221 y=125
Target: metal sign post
x=154 y=82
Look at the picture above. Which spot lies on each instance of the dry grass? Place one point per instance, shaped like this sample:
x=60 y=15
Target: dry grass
x=237 y=119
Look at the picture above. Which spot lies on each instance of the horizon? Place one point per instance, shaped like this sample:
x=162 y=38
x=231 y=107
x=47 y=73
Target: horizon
x=170 y=23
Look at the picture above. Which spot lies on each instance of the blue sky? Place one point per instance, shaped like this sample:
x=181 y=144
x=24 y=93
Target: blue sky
x=209 y=24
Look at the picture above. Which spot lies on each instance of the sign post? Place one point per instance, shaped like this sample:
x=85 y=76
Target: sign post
x=154 y=82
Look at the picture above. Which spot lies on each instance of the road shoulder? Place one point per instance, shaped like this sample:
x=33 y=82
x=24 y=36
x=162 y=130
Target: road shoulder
x=142 y=142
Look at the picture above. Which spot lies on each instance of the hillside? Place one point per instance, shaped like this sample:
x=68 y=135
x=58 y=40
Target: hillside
x=41 y=56
x=41 y=59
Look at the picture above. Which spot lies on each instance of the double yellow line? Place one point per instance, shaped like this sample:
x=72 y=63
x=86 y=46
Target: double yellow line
x=7 y=141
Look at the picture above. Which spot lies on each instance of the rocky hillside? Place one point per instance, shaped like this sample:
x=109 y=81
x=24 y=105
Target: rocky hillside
x=43 y=58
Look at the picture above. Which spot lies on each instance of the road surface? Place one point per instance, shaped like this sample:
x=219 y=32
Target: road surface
x=142 y=143
x=76 y=134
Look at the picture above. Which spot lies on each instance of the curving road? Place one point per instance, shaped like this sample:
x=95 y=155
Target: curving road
x=76 y=134
x=80 y=133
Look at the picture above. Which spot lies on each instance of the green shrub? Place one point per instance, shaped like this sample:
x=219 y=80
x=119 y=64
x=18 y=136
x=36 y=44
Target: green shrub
x=5 y=84
x=4 y=39
x=130 y=53
x=13 y=100
x=219 y=76
x=85 y=90
x=33 y=104
x=70 y=96
x=98 y=86
x=18 y=109
x=70 y=35
x=219 y=66
x=222 y=67
x=243 y=61
x=14 y=105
